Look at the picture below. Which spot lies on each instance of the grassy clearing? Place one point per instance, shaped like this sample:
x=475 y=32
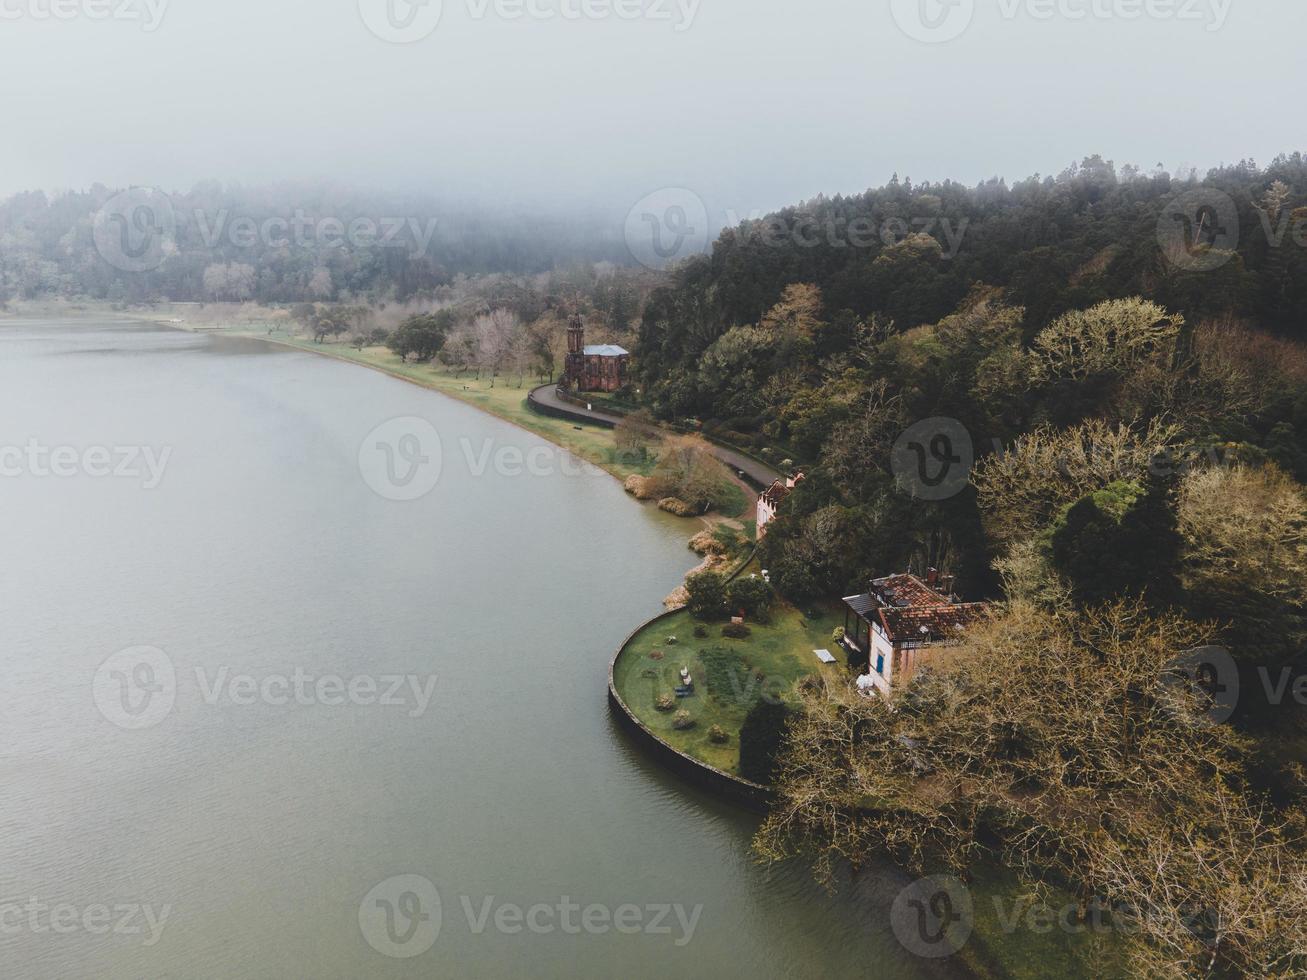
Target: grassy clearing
x=725 y=686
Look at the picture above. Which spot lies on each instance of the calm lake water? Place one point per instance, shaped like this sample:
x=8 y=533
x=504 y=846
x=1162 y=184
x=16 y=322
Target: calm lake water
x=194 y=809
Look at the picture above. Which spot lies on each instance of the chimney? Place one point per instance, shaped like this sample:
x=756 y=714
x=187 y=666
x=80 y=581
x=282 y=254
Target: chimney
x=932 y=577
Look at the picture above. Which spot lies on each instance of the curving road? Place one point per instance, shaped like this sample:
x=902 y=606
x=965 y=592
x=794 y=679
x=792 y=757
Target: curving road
x=546 y=401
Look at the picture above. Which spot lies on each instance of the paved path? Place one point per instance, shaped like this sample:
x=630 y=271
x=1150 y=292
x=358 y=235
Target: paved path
x=547 y=396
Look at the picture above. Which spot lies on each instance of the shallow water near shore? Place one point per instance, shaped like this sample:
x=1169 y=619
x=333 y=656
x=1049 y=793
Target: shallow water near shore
x=283 y=789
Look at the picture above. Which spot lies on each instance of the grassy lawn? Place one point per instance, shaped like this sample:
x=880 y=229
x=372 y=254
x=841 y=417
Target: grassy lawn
x=725 y=687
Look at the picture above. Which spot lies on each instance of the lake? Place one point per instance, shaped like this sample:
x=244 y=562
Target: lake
x=262 y=717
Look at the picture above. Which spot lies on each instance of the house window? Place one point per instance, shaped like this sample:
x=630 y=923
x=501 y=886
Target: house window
x=880 y=664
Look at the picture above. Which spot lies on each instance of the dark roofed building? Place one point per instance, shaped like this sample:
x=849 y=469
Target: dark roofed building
x=894 y=626
x=598 y=367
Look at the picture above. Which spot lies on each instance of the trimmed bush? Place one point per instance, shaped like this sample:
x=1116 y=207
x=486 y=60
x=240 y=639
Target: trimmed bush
x=707 y=594
x=718 y=735
x=753 y=595
x=736 y=631
x=683 y=721
x=665 y=703
x=701 y=631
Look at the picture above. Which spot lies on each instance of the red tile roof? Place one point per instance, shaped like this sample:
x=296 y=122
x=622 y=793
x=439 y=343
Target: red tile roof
x=907 y=590
x=930 y=624
x=775 y=494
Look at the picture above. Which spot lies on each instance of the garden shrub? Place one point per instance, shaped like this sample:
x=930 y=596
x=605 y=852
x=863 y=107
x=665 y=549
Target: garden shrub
x=683 y=721
x=707 y=594
x=665 y=702
x=736 y=631
x=752 y=595
x=718 y=735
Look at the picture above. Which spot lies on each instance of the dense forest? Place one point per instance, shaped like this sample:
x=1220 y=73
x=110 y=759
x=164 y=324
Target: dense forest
x=1132 y=300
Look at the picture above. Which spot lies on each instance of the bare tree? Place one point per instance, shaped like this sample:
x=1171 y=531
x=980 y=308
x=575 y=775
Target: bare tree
x=497 y=333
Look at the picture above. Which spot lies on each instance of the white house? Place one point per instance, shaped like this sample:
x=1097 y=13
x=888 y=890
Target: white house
x=899 y=622
x=770 y=500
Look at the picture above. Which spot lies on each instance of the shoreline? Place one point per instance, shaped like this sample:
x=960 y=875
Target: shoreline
x=979 y=960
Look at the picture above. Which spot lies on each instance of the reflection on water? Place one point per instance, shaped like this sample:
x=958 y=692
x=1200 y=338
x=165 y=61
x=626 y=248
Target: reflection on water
x=260 y=816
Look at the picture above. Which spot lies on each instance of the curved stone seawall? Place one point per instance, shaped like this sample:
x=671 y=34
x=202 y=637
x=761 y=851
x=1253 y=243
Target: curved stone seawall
x=752 y=795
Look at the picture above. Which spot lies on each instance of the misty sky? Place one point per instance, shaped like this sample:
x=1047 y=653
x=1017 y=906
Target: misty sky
x=751 y=103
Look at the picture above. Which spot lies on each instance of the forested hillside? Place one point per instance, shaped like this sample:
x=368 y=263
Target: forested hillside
x=1096 y=308
x=1095 y=411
